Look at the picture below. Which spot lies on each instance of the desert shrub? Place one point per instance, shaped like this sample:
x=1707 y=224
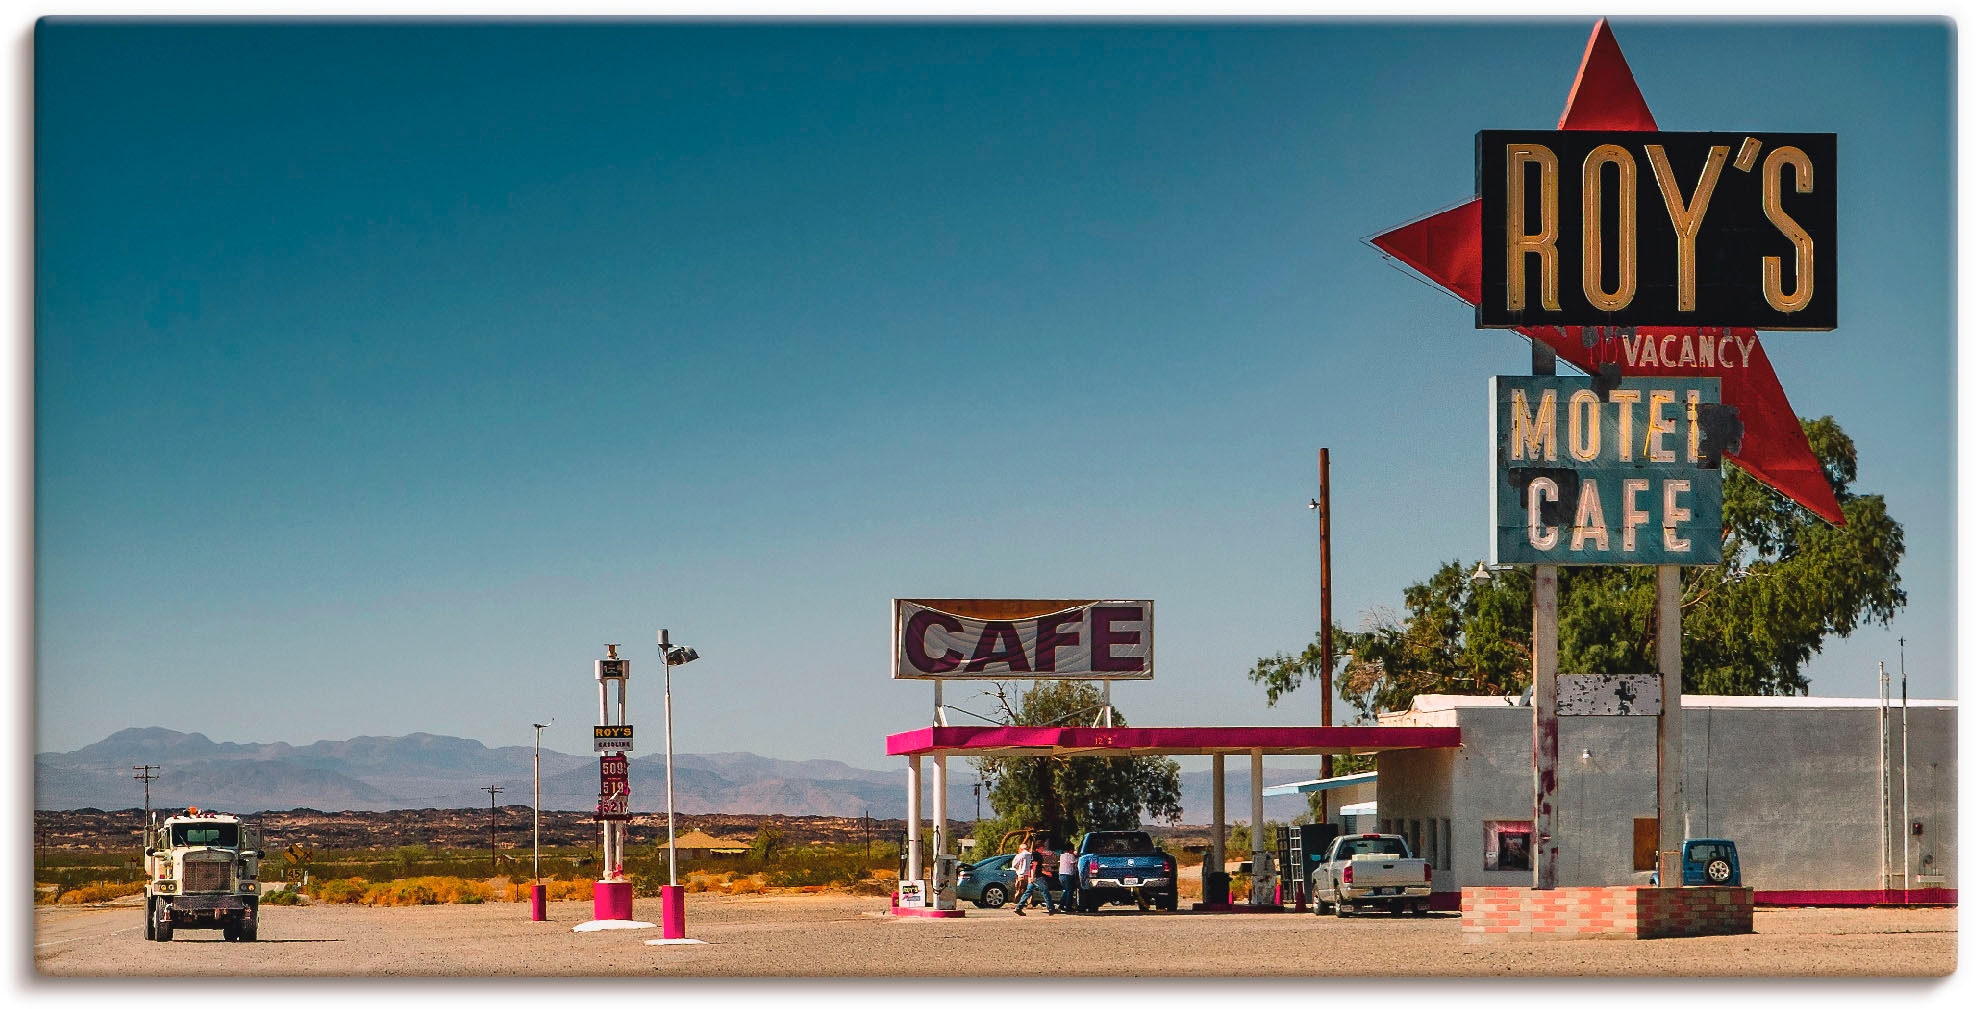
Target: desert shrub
x=340 y=891
x=283 y=898
x=97 y=893
x=748 y=884
x=426 y=890
x=567 y=889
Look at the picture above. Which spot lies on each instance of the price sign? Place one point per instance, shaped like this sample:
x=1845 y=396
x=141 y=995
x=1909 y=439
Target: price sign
x=614 y=788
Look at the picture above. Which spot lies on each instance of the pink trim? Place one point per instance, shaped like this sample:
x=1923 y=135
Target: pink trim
x=1916 y=895
x=1235 y=908
x=1275 y=739
x=929 y=912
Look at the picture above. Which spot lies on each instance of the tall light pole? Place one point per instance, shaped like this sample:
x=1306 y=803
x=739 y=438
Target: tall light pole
x=536 y=803
x=538 y=911
x=492 y=790
x=673 y=915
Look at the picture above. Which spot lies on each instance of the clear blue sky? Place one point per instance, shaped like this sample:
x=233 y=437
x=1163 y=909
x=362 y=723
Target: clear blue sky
x=383 y=373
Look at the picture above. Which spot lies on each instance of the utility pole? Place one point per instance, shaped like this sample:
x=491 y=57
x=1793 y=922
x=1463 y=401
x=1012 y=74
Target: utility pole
x=144 y=774
x=1324 y=506
x=492 y=791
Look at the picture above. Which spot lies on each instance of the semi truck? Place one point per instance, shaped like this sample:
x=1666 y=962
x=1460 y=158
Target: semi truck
x=200 y=870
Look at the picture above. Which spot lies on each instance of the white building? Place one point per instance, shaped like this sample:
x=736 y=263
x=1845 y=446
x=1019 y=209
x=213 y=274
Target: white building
x=1797 y=782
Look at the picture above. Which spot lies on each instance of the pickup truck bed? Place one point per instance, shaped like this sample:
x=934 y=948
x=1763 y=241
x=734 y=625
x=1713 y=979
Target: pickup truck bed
x=1370 y=871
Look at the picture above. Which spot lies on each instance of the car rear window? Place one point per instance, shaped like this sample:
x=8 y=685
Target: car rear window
x=1374 y=846
x=1126 y=842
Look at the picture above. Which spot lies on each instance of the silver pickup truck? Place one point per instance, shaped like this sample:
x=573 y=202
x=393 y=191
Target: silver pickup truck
x=1367 y=871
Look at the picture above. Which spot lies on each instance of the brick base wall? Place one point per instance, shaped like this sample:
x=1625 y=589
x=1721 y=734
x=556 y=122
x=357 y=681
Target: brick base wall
x=1492 y=913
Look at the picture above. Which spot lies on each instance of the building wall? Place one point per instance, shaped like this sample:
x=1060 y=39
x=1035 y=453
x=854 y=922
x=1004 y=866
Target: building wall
x=1795 y=785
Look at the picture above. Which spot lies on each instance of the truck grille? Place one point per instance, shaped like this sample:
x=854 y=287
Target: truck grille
x=208 y=871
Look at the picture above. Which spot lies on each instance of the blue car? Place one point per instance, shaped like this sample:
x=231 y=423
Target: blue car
x=989 y=883
x=1708 y=861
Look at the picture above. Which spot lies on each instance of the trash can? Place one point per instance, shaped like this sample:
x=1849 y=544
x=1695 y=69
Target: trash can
x=1216 y=888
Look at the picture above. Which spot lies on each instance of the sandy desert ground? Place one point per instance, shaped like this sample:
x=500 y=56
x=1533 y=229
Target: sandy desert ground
x=822 y=935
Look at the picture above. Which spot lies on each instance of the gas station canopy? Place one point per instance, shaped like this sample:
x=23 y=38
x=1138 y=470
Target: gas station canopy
x=1100 y=741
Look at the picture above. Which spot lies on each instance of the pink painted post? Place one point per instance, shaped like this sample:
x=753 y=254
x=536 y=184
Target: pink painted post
x=537 y=910
x=673 y=913
x=611 y=900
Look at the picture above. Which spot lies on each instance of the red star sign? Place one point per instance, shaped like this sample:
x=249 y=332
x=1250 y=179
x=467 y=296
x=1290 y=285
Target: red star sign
x=1447 y=248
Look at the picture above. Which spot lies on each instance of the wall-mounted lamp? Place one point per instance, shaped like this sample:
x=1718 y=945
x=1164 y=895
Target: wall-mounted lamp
x=1586 y=754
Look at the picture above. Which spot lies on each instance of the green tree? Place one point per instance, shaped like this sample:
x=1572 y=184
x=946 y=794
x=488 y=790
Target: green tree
x=1066 y=796
x=1788 y=581
x=768 y=842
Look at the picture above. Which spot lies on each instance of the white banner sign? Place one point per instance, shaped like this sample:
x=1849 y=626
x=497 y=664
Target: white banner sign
x=1002 y=639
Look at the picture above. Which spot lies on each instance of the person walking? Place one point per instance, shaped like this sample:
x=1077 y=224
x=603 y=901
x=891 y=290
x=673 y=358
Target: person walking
x=1021 y=865
x=1042 y=865
x=1068 y=880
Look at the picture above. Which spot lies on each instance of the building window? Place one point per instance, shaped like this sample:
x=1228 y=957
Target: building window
x=1429 y=850
x=1415 y=837
x=1645 y=843
x=1507 y=845
x=1445 y=865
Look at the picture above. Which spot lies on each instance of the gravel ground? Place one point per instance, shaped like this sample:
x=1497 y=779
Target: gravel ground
x=826 y=935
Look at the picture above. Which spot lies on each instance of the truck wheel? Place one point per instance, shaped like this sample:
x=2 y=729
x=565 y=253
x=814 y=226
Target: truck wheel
x=1398 y=908
x=161 y=924
x=1341 y=908
x=230 y=932
x=250 y=931
x=1088 y=902
x=1169 y=899
x=149 y=935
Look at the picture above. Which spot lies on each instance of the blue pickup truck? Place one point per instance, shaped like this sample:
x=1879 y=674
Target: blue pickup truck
x=1124 y=867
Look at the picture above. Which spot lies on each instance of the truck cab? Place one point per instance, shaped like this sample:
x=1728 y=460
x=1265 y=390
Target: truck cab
x=200 y=871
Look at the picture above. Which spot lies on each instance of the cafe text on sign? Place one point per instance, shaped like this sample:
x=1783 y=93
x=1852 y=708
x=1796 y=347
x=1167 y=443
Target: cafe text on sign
x=1593 y=471
x=1637 y=228
x=1001 y=639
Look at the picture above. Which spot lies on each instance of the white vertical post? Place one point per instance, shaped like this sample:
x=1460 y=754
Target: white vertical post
x=604 y=826
x=1545 y=720
x=1670 y=815
x=941 y=817
x=1260 y=881
x=941 y=710
x=913 y=817
x=1217 y=831
x=1106 y=698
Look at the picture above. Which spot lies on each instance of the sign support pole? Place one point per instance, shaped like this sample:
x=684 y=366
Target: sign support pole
x=1545 y=721
x=1545 y=690
x=1670 y=825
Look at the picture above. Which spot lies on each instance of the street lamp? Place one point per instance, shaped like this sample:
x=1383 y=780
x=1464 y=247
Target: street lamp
x=537 y=911
x=673 y=915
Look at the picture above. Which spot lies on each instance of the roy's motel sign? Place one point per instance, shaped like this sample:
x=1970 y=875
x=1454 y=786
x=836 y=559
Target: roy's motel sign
x=1626 y=228
x=1593 y=471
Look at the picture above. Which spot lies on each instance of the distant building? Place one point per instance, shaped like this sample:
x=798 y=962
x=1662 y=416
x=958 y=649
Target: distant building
x=696 y=844
x=1795 y=781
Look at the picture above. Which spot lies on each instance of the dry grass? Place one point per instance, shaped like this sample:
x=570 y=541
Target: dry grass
x=97 y=893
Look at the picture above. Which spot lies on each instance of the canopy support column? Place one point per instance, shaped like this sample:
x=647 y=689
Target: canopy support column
x=1261 y=875
x=913 y=817
x=941 y=822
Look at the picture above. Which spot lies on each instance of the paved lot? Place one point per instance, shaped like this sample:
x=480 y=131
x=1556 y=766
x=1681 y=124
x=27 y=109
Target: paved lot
x=832 y=935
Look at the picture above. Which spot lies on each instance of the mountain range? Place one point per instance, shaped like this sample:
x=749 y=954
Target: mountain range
x=422 y=770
